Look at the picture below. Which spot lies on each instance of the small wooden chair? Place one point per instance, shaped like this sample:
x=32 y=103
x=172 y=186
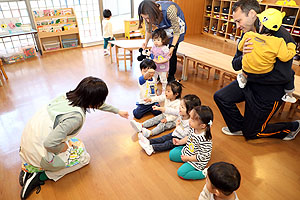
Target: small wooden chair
x=203 y=67
x=228 y=77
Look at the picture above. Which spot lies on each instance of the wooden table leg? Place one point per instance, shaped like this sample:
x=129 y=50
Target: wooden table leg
x=131 y=59
x=111 y=59
x=125 y=59
x=117 y=57
x=185 y=65
x=2 y=69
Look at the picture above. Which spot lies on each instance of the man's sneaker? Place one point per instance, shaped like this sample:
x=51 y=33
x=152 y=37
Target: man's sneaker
x=143 y=139
x=31 y=183
x=289 y=99
x=293 y=134
x=226 y=131
x=137 y=126
x=241 y=79
x=146 y=132
x=23 y=177
x=147 y=147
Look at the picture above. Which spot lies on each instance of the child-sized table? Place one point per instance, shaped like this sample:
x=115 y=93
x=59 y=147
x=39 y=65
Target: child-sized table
x=128 y=46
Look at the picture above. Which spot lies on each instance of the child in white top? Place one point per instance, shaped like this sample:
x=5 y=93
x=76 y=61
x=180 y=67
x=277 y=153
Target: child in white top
x=107 y=30
x=148 y=89
x=164 y=143
x=164 y=121
x=198 y=145
x=222 y=180
x=161 y=55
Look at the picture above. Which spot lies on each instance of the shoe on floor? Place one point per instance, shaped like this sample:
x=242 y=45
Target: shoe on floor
x=23 y=177
x=106 y=53
x=146 y=132
x=136 y=126
x=143 y=139
x=226 y=131
x=147 y=147
x=289 y=99
x=31 y=183
x=293 y=134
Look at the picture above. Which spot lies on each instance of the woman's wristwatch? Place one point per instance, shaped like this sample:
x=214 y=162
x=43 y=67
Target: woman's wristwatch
x=172 y=46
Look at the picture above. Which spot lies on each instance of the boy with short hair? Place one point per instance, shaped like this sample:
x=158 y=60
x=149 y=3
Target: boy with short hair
x=107 y=29
x=148 y=88
x=222 y=180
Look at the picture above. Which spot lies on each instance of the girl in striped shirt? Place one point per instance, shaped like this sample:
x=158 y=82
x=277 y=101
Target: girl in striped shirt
x=198 y=145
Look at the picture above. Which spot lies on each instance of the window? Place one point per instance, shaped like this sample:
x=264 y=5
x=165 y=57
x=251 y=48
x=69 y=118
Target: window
x=18 y=9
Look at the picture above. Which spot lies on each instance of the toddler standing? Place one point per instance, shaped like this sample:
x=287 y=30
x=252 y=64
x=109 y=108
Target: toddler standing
x=161 y=55
x=107 y=30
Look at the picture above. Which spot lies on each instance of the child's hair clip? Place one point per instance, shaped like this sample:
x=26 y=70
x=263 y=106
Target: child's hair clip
x=209 y=123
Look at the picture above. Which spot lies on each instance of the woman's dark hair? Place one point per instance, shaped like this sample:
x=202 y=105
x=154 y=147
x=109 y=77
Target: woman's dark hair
x=147 y=63
x=191 y=101
x=91 y=92
x=205 y=114
x=224 y=176
x=264 y=29
x=160 y=33
x=148 y=7
x=246 y=6
x=176 y=87
x=106 y=13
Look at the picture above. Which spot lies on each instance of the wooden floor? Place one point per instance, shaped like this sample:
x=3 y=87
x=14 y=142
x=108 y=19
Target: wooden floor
x=119 y=168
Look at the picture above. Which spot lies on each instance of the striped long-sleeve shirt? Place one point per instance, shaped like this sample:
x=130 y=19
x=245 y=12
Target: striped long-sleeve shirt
x=198 y=145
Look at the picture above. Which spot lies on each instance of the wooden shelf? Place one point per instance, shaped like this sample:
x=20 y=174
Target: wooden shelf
x=52 y=34
x=58 y=37
x=211 y=21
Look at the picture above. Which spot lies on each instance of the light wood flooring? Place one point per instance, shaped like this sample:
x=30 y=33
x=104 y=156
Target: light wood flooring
x=119 y=168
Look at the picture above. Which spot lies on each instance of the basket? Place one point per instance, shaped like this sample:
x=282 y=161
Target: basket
x=51 y=45
x=69 y=43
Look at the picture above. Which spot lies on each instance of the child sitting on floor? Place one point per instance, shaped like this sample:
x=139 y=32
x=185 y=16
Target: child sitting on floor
x=222 y=180
x=164 y=121
x=165 y=142
x=148 y=89
x=198 y=145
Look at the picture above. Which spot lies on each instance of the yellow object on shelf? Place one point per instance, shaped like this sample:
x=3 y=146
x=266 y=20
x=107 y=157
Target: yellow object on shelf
x=132 y=28
x=286 y=3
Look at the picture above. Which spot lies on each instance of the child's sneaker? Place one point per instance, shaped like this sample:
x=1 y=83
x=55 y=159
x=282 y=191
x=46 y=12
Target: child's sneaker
x=146 y=132
x=241 y=79
x=147 y=147
x=293 y=134
x=143 y=139
x=23 y=177
x=226 y=131
x=106 y=52
x=137 y=126
x=289 y=99
x=31 y=183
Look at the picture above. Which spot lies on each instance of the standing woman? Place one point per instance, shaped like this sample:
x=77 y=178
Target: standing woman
x=48 y=149
x=168 y=16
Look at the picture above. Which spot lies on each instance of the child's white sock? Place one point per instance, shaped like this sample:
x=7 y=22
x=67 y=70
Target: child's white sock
x=146 y=132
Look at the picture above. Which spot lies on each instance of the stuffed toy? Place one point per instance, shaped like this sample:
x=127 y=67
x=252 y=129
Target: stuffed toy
x=145 y=54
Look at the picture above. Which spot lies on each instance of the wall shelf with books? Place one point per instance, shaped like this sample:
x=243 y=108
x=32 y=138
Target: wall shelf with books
x=57 y=29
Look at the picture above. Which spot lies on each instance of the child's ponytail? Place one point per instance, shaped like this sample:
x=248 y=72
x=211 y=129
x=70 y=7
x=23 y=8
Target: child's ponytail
x=205 y=114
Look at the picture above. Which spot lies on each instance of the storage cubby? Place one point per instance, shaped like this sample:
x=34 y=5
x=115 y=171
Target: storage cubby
x=57 y=29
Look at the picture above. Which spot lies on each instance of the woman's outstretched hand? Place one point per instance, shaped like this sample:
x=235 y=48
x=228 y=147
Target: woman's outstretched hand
x=123 y=114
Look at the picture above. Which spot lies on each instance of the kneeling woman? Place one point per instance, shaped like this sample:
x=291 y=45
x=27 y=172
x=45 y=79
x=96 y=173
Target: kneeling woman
x=48 y=148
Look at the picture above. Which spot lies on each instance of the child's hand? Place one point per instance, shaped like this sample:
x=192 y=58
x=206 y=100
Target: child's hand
x=163 y=120
x=178 y=122
x=162 y=109
x=175 y=141
x=123 y=114
x=185 y=158
x=148 y=100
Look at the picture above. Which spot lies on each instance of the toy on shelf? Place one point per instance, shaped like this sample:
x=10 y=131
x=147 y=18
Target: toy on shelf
x=286 y=3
